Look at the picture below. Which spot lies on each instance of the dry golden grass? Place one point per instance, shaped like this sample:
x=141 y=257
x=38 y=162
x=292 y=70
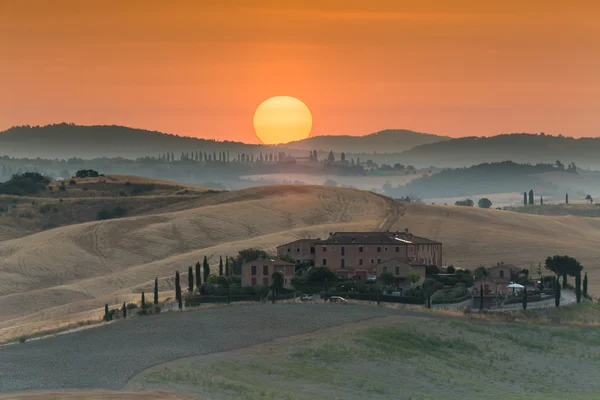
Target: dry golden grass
x=92 y=395
x=50 y=277
x=66 y=275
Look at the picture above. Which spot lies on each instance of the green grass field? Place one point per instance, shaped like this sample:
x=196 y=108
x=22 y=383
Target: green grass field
x=409 y=358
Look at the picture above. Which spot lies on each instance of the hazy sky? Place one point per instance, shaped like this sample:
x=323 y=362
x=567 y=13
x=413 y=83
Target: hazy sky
x=200 y=68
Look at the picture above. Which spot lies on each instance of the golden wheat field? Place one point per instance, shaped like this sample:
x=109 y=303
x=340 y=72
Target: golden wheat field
x=58 y=277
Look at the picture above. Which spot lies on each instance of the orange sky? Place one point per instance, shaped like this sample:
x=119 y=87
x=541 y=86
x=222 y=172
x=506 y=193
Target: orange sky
x=195 y=69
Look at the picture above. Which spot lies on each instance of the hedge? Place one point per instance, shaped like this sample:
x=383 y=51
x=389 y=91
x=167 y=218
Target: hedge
x=384 y=298
x=198 y=300
x=455 y=300
x=531 y=298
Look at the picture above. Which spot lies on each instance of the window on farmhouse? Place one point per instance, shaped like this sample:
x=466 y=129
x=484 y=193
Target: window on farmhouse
x=254 y=270
x=324 y=261
x=397 y=249
x=360 y=261
x=360 y=249
x=265 y=270
x=379 y=249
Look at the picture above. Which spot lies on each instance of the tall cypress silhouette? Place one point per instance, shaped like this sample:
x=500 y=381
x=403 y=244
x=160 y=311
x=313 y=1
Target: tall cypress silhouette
x=190 y=279
x=206 y=269
x=220 y=265
x=198 y=276
x=155 y=291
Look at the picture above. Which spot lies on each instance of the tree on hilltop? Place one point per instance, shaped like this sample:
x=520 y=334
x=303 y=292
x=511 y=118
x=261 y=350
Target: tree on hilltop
x=155 y=291
x=190 y=279
x=484 y=203
x=198 y=275
x=220 y=265
x=206 y=269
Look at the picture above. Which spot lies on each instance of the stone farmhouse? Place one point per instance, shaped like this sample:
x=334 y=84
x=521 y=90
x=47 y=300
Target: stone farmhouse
x=367 y=254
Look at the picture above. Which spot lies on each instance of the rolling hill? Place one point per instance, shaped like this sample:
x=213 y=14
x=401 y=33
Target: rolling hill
x=387 y=141
x=517 y=147
x=68 y=273
x=70 y=140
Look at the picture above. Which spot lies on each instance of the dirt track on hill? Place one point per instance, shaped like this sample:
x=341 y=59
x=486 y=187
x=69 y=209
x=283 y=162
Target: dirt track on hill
x=108 y=357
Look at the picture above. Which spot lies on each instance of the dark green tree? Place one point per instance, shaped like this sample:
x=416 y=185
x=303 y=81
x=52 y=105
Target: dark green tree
x=155 y=291
x=585 y=286
x=220 y=265
x=227 y=266
x=124 y=311
x=480 y=297
x=190 y=279
x=143 y=301
x=541 y=201
x=557 y=293
x=567 y=198
x=531 y=197
x=484 y=203
x=524 y=198
x=198 y=275
x=277 y=281
x=180 y=302
x=206 y=269
x=106 y=312
x=525 y=298
x=578 y=287
x=177 y=286
x=563 y=266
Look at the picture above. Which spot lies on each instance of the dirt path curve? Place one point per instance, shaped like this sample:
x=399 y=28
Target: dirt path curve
x=392 y=217
x=107 y=357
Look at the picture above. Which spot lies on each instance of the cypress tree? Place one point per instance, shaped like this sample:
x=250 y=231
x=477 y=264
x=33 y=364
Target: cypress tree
x=206 y=269
x=524 y=198
x=578 y=287
x=198 y=276
x=177 y=286
x=564 y=282
x=180 y=302
x=143 y=301
x=567 y=198
x=531 y=197
x=220 y=265
x=557 y=293
x=124 y=310
x=226 y=265
x=106 y=312
x=525 y=299
x=155 y=291
x=541 y=201
x=585 y=284
x=481 y=297
x=190 y=279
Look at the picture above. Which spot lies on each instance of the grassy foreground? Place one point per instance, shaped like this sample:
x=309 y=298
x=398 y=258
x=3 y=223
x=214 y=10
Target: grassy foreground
x=408 y=358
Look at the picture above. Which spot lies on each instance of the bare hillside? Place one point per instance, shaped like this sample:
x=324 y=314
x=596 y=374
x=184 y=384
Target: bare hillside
x=59 y=273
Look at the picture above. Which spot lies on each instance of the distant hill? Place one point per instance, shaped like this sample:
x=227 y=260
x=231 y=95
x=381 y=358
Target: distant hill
x=70 y=140
x=387 y=141
x=518 y=147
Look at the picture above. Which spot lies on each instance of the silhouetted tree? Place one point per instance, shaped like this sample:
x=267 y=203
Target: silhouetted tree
x=143 y=301
x=578 y=287
x=525 y=298
x=190 y=279
x=227 y=266
x=155 y=291
x=124 y=311
x=220 y=265
x=177 y=286
x=525 y=198
x=106 y=312
x=206 y=269
x=557 y=294
x=563 y=266
x=541 y=201
x=531 y=197
x=585 y=286
x=480 y=297
x=343 y=157
x=589 y=198
x=198 y=276
x=567 y=198
x=484 y=203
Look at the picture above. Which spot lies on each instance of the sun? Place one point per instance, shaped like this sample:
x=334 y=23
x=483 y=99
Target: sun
x=282 y=119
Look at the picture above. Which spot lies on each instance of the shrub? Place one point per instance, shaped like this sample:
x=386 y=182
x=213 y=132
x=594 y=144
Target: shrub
x=2 y=209
x=122 y=193
x=118 y=212
x=72 y=182
x=465 y=203
x=45 y=208
x=24 y=184
x=131 y=306
x=87 y=173
x=62 y=187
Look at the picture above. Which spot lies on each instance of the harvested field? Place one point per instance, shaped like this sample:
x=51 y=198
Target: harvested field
x=93 y=395
x=397 y=357
x=107 y=357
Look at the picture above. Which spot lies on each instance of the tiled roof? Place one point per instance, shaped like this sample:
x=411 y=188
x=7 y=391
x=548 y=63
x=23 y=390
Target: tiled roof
x=375 y=238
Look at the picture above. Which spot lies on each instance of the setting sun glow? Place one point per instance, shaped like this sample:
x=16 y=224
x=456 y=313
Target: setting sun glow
x=282 y=119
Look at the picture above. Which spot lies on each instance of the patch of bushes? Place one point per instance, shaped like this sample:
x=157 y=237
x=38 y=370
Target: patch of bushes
x=26 y=214
x=122 y=193
x=25 y=184
x=117 y=212
x=45 y=208
x=131 y=306
x=72 y=182
x=519 y=299
x=141 y=189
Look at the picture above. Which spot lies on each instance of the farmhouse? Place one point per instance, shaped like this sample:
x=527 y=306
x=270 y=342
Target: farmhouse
x=260 y=272
x=496 y=282
x=365 y=254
